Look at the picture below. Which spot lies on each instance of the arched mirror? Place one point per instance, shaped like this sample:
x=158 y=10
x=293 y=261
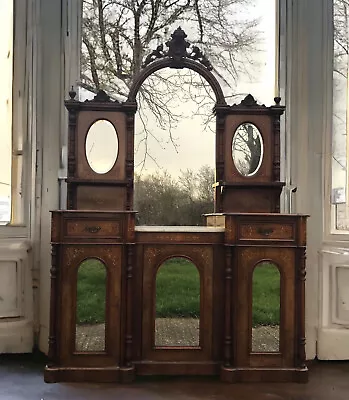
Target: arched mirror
x=266 y=308
x=90 y=306
x=177 y=307
x=247 y=149
x=173 y=178
x=101 y=146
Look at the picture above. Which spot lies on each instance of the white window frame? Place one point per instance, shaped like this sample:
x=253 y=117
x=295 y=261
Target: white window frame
x=23 y=113
x=332 y=235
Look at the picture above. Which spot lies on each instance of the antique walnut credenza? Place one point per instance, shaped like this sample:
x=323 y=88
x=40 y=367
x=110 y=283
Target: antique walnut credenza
x=246 y=230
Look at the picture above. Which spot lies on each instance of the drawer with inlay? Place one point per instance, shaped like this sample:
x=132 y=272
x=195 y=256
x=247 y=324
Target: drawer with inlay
x=81 y=228
x=266 y=231
x=70 y=226
x=282 y=229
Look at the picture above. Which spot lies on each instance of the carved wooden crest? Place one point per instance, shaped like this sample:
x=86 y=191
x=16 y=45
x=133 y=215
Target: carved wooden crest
x=178 y=49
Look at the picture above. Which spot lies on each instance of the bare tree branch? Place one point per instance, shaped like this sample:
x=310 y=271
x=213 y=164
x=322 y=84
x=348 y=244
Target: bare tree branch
x=117 y=34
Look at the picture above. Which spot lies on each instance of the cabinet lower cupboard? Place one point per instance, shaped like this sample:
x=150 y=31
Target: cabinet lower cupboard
x=104 y=264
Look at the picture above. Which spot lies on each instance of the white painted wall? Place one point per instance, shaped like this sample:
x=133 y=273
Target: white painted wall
x=306 y=80
x=59 y=29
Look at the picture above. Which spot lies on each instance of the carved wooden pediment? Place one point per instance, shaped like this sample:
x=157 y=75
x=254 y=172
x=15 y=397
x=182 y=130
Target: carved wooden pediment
x=178 y=49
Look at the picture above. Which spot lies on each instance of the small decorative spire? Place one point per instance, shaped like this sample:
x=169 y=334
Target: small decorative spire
x=72 y=93
x=277 y=100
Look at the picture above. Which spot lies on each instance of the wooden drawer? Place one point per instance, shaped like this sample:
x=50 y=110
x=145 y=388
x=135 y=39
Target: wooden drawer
x=93 y=228
x=266 y=231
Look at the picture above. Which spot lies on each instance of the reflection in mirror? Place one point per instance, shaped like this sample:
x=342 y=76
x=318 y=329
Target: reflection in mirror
x=177 y=320
x=101 y=146
x=265 y=308
x=173 y=177
x=247 y=149
x=90 y=306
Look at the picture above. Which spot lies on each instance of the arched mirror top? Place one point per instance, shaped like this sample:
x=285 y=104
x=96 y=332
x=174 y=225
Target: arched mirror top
x=247 y=149
x=101 y=146
x=180 y=54
x=184 y=260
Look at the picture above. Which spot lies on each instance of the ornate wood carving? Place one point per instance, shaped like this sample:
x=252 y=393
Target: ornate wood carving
x=101 y=97
x=270 y=231
x=96 y=228
x=178 y=48
x=301 y=275
x=180 y=54
x=228 y=308
x=130 y=160
x=52 y=340
x=249 y=101
x=129 y=274
x=260 y=190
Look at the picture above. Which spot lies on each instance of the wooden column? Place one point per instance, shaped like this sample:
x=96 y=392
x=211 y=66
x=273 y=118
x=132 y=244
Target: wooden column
x=300 y=296
x=128 y=370
x=228 y=308
x=52 y=340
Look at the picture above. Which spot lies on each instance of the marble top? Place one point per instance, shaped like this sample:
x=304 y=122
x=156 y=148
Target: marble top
x=144 y=228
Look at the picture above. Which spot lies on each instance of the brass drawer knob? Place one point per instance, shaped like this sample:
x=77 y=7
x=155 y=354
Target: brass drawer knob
x=92 y=229
x=265 y=231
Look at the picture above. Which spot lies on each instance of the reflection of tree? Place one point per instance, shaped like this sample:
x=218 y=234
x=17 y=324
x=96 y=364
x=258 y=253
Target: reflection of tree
x=341 y=39
x=160 y=199
x=340 y=76
x=247 y=149
x=340 y=101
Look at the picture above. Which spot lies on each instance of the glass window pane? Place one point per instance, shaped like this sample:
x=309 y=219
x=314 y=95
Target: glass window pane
x=6 y=66
x=339 y=195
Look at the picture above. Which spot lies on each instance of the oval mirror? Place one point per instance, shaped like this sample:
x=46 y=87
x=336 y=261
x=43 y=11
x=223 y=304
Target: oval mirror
x=102 y=146
x=247 y=149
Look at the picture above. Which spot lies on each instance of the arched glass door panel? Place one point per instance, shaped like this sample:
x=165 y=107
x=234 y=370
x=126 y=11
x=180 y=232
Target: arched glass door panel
x=266 y=308
x=91 y=306
x=177 y=304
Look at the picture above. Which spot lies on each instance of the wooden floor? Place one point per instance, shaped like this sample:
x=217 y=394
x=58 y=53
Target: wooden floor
x=21 y=378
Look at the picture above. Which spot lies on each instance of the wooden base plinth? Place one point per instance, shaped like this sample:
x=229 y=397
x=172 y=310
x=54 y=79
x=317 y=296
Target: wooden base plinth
x=53 y=374
x=234 y=375
x=127 y=374
x=177 y=368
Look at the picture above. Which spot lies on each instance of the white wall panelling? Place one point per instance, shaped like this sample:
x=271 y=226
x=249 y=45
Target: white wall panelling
x=333 y=340
x=16 y=297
